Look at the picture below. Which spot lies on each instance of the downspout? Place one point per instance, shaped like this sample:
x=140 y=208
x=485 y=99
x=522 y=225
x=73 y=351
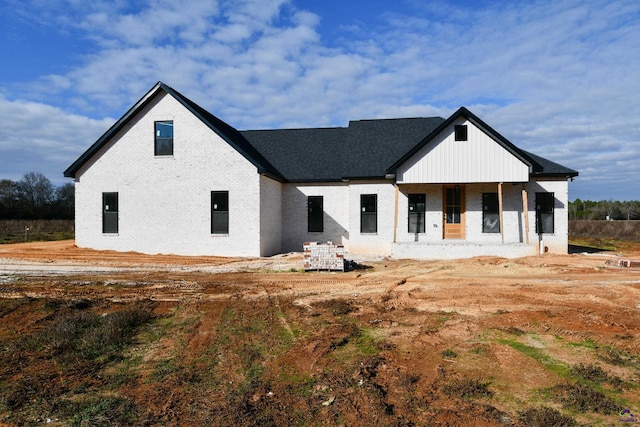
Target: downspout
x=500 y=211
x=395 y=214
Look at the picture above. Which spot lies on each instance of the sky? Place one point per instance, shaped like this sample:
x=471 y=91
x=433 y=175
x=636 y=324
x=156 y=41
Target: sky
x=557 y=78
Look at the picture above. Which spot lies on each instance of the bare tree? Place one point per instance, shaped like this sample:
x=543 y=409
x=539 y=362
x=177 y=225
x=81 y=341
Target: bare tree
x=37 y=194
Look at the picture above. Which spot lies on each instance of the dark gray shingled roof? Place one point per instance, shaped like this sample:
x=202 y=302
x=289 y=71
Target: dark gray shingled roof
x=366 y=149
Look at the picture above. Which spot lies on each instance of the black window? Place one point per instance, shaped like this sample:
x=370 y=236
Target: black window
x=490 y=213
x=219 y=212
x=314 y=214
x=460 y=132
x=544 y=212
x=109 y=212
x=416 y=213
x=164 y=138
x=368 y=213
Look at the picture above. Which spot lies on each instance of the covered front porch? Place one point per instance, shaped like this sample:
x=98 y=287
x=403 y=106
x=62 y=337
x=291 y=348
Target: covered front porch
x=447 y=221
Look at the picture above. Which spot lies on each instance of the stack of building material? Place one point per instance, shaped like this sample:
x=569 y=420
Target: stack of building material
x=323 y=256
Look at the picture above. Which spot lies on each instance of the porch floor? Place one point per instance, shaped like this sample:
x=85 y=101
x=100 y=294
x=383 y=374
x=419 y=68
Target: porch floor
x=452 y=249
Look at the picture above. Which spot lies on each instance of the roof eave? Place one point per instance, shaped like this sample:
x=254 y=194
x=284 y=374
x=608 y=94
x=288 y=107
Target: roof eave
x=70 y=172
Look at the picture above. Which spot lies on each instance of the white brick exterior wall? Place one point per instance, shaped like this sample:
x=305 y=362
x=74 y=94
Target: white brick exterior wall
x=294 y=215
x=270 y=216
x=556 y=242
x=372 y=243
x=165 y=202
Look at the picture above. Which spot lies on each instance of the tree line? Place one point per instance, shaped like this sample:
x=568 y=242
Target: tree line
x=604 y=210
x=35 y=197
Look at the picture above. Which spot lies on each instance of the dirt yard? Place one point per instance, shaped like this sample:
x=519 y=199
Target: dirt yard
x=546 y=340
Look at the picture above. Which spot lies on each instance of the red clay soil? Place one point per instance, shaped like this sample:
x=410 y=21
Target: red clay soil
x=402 y=342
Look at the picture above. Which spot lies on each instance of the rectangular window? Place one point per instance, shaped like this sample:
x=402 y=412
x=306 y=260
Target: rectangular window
x=417 y=204
x=314 y=214
x=490 y=213
x=544 y=212
x=460 y=132
x=453 y=205
x=368 y=213
x=219 y=212
x=164 y=138
x=109 y=212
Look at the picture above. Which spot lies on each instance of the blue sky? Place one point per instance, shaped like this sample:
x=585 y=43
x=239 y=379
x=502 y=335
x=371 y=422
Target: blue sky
x=557 y=78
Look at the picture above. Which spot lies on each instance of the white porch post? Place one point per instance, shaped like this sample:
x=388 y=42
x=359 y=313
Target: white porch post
x=500 y=211
x=525 y=209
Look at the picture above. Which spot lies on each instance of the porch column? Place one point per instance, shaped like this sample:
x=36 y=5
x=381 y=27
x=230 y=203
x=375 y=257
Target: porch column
x=500 y=211
x=525 y=209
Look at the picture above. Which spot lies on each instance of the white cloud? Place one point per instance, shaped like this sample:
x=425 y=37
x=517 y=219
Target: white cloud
x=556 y=78
x=41 y=138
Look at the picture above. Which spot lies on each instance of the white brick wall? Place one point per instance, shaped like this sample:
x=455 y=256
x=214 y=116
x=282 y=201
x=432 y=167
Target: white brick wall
x=372 y=243
x=270 y=216
x=294 y=214
x=165 y=202
x=558 y=241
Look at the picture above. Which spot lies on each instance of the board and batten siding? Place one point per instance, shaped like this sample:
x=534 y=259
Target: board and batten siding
x=479 y=159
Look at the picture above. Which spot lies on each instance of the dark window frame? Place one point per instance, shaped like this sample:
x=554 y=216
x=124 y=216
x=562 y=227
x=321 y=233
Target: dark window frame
x=368 y=213
x=110 y=212
x=461 y=132
x=417 y=203
x=545 y=213
x=163 y=145
x=490 y=213
x=315 y=214
x=220 y=212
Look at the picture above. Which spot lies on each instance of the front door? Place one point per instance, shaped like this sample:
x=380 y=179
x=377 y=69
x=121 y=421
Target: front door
x=453 y=212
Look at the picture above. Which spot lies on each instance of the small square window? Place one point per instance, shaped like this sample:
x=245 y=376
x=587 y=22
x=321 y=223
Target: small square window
x=460 y=132
x=163 y=138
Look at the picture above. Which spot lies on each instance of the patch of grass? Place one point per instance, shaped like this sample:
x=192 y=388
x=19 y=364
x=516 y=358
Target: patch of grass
x=582 y=398
x=449 y=354
x=78 y=335
x=368 y=343
x=618 y=357
x=596 y=375
x=479 y=350
x=338 y=306
x=162 y=370
x=13 y=230
x=98 y=411
x=436 y=321
x=549 y=362
x=468 y=388
x=514 y=331
x=545 y=417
